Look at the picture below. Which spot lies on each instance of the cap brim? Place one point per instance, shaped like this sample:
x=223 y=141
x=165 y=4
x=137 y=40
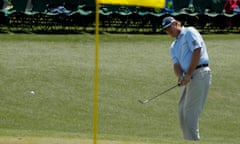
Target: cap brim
x=166 y=26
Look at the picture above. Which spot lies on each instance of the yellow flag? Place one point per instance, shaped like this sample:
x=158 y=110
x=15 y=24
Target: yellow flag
x=144 y=3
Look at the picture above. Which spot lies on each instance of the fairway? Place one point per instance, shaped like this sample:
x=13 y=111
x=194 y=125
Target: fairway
x=60 y=71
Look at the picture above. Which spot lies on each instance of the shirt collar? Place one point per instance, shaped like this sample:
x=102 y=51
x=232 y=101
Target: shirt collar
x=181 y=33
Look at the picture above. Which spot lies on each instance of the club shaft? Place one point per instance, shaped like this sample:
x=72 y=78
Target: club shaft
x=148 y=100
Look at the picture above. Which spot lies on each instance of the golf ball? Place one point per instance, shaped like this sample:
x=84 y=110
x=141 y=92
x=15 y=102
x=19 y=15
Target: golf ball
x=32 y=92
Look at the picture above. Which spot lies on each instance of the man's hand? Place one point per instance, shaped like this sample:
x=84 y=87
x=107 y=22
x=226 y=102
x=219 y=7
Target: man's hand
x=184 y=80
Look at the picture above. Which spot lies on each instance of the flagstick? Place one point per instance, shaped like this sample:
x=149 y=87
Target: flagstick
x=95 y=103
x=147 y=3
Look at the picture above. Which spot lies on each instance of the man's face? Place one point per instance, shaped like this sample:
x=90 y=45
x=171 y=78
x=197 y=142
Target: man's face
x=171 y=30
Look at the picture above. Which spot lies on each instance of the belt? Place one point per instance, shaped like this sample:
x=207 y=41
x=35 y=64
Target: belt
x=201 y=66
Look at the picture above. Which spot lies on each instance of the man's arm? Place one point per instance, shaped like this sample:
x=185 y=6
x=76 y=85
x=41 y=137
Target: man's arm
x=177 y=69
x=178 y=72
x=194 y=61
x=193 y=64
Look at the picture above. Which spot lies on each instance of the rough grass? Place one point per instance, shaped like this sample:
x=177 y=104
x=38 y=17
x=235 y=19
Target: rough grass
x=60 y=69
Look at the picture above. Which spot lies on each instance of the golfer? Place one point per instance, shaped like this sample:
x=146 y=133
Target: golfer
x=191 y=66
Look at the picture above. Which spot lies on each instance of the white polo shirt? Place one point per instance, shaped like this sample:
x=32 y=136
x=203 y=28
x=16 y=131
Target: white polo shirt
x=182 y=48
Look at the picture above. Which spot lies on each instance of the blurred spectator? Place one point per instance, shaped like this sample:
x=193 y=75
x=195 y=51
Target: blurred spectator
x=169 y=7
x=7 y=6
x=191 y=7
x=232 y=6
x=60 y=10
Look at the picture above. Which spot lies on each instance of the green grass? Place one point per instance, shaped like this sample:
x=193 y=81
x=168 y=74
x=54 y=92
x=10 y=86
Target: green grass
x=60 y=69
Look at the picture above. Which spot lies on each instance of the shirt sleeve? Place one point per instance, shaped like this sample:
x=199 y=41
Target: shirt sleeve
x=194 y=39
x=173 y=55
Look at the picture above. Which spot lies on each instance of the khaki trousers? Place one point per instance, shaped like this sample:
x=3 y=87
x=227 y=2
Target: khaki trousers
x=192 y=100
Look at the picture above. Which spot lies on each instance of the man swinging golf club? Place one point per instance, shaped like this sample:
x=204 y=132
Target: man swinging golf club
x=191 y=66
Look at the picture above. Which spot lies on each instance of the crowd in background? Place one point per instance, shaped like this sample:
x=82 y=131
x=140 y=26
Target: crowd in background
x=55 y=13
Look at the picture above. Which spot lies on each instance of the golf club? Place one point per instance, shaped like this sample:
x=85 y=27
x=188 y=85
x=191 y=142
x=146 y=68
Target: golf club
x=148 y=100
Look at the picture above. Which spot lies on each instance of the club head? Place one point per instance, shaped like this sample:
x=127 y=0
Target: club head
x=143 y=102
